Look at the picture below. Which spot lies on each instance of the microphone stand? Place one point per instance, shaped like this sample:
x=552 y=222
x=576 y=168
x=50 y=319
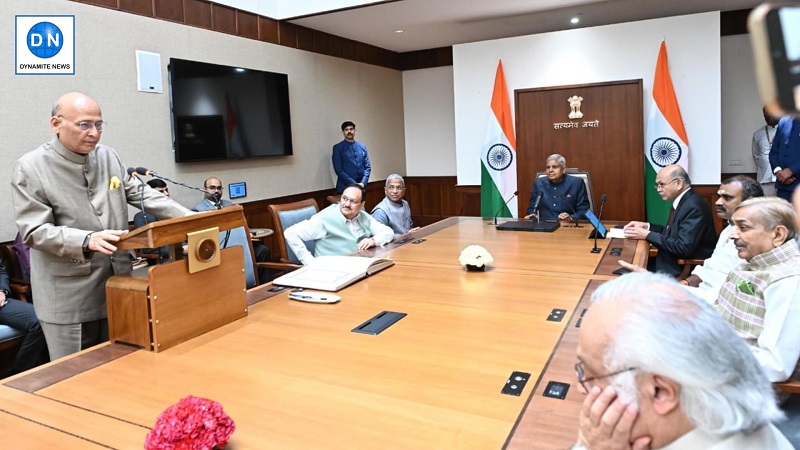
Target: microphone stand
x=566 y=200
x=494 y=222
x=596 y=249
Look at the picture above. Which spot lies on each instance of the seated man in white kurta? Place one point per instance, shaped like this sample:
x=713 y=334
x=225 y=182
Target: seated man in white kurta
x=339 y=229
x=709 y=277
x=393 y=211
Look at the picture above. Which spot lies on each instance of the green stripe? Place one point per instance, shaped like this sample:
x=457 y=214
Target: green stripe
x=657 y=209
x=491 y=199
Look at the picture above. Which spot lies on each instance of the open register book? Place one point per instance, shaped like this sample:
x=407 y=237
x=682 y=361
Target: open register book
x=332 y=273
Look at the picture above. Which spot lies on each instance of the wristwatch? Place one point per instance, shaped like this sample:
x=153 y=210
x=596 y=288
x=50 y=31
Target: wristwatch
x=4 y=291
x=85 y=245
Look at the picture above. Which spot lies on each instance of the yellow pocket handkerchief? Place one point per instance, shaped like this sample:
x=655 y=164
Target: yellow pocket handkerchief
x=115 y=183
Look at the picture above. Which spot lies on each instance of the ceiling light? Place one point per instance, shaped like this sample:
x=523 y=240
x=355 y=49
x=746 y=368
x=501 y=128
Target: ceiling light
x=398 y=31
x=574 y=20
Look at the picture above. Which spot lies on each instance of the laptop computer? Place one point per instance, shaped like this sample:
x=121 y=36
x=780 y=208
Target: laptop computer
x=528 y=225
x=600 y=230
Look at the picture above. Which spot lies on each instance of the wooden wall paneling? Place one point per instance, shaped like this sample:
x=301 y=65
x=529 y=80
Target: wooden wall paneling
x=335 y=46
x=246 y=25
x=469 y=200
x=197 y=13
x=223 y=19
x=113 y=4
x=171 y=10
x=612 y=152
x=320 y=41
x=141 y=7
x=305 y=39
x=287 y=34
x=348 y=49
x=268 y=30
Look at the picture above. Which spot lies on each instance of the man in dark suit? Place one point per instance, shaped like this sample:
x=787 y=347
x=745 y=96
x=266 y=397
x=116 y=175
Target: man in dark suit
x=784 y=156
x=689 y=232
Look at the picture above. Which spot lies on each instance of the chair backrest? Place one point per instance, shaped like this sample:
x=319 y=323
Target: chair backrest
x=11 y=262
x=584 y=176
x=241 y=236
x=286 y=215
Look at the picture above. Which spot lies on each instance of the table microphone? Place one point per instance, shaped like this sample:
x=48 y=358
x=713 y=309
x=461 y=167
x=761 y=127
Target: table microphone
x=603 y=199
x=566 y=200
x=501 y=208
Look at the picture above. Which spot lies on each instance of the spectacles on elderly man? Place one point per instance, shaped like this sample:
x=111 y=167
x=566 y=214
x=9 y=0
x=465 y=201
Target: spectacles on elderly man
x=661 y=185
x=86 y=125
x=395 y=188
x=582 y=375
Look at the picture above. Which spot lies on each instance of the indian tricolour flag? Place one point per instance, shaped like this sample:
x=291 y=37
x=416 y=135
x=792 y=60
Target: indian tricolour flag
x=499 y=155
x=665 y=140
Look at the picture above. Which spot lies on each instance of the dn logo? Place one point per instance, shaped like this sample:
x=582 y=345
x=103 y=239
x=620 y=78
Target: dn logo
x=45 y=40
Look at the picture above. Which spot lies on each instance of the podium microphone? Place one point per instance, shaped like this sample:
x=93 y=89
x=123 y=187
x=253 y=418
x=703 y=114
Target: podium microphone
x=152 y=173
x=603 y=199
x=501 y=208
x=134 y=174
x=566 y=200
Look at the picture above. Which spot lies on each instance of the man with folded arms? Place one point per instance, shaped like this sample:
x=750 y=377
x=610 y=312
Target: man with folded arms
x=339 y=229
x=662 y=370
x=689 y=232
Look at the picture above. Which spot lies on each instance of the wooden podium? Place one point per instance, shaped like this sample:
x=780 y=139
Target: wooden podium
x=163 y=305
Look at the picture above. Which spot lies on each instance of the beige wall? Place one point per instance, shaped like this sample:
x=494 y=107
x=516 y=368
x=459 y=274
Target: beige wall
x=323 y=91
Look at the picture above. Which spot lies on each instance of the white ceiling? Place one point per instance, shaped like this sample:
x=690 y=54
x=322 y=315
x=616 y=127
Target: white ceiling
x=440 y=23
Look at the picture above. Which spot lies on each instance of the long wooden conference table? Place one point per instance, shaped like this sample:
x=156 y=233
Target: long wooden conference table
x=293 y=375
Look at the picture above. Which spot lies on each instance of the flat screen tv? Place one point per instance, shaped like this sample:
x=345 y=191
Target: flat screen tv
x=221 y=112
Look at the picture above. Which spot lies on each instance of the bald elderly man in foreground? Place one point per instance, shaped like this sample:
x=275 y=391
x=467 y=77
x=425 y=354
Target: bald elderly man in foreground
x=71 y=198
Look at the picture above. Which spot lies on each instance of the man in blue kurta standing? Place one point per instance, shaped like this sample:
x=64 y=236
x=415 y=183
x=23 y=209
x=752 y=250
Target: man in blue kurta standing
x=350 y=160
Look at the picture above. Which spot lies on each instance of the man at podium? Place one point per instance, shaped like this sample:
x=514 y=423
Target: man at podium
x=71 y=198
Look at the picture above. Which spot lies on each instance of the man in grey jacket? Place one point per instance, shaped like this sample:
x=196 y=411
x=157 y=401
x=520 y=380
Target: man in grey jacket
x=70 y=201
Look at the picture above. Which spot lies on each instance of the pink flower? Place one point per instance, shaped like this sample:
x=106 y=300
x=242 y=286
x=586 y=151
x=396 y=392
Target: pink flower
x=193 y=423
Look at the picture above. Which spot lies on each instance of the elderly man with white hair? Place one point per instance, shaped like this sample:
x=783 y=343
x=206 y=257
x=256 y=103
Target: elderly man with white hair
x=393 y=211
x=760 y=298
x=662 y=370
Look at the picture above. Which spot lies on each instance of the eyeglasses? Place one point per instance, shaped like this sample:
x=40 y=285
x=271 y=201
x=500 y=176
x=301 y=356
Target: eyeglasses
x=581 y=375
x=395 y=188
x=660 y=185
x=348 y=200
x=86 y=125
x=214 y=188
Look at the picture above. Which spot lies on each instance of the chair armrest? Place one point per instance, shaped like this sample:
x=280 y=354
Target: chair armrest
x=20 y=287
x=691 y=262
x=790 y=387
